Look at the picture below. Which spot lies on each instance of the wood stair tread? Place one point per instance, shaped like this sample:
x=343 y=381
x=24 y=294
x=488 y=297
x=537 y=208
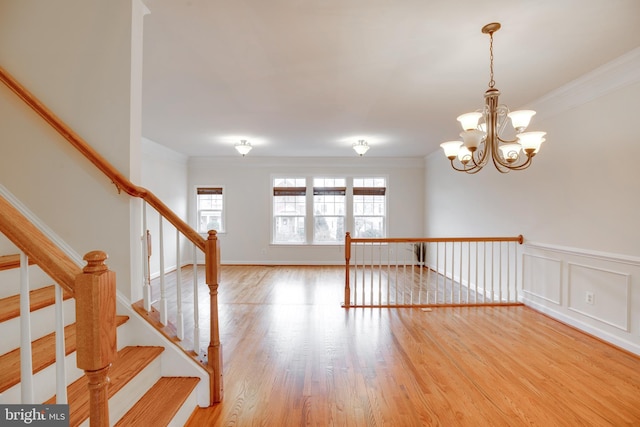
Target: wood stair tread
x=131 y=361
x=44 y=354
x=38 y=298
x=8 y=262
x=161 y=403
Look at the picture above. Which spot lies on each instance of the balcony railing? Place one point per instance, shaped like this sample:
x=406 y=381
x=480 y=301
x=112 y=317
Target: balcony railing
x=423 y=272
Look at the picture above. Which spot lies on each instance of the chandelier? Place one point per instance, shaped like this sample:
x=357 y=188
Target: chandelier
x=482 y=132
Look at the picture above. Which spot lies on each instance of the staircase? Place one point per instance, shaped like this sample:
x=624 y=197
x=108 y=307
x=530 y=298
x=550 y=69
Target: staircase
x=139 y=394
x=134 y=394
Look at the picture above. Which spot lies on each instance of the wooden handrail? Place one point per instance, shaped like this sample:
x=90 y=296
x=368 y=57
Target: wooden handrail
x=100 y=162
x=33 y=242
x=518 y=239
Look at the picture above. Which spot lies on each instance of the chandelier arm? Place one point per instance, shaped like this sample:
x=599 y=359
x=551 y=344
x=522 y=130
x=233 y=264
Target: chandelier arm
x=502 y=117
x=514 y=167
x=511 y=166
x=497 y=162
x=471 y=170
x=482 y=158
x=524 y=165
x=508 y=141
x=502 y=168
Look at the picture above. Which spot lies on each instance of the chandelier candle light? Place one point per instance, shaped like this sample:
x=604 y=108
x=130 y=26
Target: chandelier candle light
x=482 y=130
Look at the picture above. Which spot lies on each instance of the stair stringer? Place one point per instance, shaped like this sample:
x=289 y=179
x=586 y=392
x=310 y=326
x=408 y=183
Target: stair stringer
x=175 y=363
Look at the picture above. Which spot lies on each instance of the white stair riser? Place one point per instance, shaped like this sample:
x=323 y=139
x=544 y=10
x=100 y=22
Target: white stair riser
x=185 y=411
x=128 y=395
x=10 y=280
x=42 y=323
x=44 y=383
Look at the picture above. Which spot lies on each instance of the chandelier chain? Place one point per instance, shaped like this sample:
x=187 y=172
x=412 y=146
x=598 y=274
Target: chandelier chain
x=492 y=82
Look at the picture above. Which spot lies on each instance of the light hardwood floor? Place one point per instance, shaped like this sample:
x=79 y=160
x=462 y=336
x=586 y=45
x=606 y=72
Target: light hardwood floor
x=294 y=357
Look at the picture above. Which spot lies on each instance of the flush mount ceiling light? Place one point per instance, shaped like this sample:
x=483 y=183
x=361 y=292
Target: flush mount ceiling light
x=482 y=132
x=361 y=147
x=243 y=147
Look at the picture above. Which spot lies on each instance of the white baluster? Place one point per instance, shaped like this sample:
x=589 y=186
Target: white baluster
x=476 y=275
x=380 y=273
x=61 y=368
x=354 y=248
x=370 y=266
x=453 y=271
x=494 y=279
x=163 y=295
x=395 y=298
x=509 y=272
x=437 y=270
x=484 y=271
x=500 y=272
x=389 y=251
x=26 y=365
x=196 y=314
x=460 y=276
x=146 y=287
x=180 y=318
x=515 y=272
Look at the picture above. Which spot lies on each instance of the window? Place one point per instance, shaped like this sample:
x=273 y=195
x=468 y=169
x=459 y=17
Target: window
x=210 y=204
x=369 y=207
x=329 y=210
x=320 y=210
x=289 y=210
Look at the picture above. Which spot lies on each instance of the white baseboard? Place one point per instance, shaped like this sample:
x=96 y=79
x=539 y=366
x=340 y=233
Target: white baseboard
x=571 y=321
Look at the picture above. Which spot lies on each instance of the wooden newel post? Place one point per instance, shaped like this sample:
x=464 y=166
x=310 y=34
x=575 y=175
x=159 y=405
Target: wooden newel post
x=214 y=352
x=347 y=257
x=96 y=331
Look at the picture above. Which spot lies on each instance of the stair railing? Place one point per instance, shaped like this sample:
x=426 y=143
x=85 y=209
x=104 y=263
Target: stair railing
x=166 y=313
x=210 y=247
x=427 y=272
x=94 y=290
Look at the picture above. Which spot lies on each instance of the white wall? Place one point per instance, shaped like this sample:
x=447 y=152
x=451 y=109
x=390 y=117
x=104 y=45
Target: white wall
x=75 y=56
x=247 y=186
x=580 y=196
x=164 y=172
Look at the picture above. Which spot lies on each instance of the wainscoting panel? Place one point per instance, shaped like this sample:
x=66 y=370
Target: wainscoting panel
x=601 y=294
x=596 y=292
x=542 y=278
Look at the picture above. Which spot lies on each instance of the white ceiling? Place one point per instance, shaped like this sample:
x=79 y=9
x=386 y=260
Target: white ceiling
x=310 y=77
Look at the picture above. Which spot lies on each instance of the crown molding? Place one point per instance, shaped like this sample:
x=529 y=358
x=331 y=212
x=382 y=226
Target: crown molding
x=612 y=76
